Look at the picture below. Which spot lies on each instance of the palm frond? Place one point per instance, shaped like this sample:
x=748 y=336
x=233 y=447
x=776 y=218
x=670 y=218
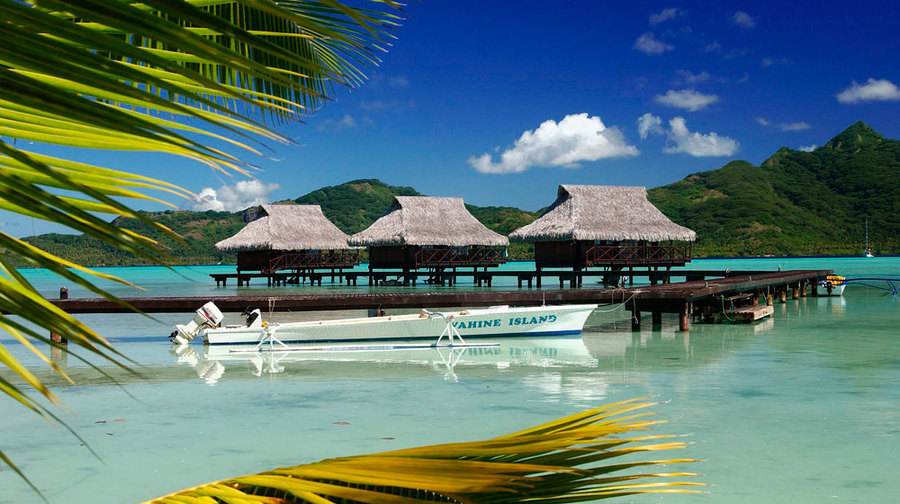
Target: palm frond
x=561 y=461
x=167 y=76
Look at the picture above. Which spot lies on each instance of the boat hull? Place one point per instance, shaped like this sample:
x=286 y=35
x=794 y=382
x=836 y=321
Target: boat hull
x=491 y=322
x=831 y=287
x=833 y=290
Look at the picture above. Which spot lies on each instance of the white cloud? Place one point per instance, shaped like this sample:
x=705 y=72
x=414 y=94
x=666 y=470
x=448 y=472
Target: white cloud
x=574 y=139
x=373 y=106
x=767 y=62
x=346 y=122
x=648 y=44
x=338 y=124
x=794 y=126
x=735 y=53
x=808 y=148
x=696 y=144
x=743 y=20
x=649 y=124
x=713 y=47
x=666 y=15
x=398 y=82
x=872 y=90
x=231 y=198
x=686 y=99
x=681 y=140
x=688 y=77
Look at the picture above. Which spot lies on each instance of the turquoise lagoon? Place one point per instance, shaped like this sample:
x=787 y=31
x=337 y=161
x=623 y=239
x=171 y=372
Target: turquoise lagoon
x=801 y=408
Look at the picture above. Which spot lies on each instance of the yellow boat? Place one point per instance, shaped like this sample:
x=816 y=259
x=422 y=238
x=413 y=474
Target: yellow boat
x=832 y=285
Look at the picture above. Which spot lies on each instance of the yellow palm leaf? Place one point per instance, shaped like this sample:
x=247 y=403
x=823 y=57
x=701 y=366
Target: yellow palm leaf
x=560 y=461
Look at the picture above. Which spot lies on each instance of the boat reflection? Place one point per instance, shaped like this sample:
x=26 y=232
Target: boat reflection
x=609 y=347
x=835 y=305
x=213 y=362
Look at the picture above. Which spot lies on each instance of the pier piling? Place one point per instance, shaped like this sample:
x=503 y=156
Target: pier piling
x=58 y=353
x=684 y=319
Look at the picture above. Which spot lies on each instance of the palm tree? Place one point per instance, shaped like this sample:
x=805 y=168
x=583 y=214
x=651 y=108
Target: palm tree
x=175 y=76
x=170 y=76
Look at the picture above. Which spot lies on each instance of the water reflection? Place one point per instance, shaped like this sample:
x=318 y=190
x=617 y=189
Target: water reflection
x=666 y=346
x=607 y=347
x=836 y=305
x=213 y=363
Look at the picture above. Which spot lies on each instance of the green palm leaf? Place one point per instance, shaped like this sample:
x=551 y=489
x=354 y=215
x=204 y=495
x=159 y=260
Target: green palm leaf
x=169 y=76
x=561 y=461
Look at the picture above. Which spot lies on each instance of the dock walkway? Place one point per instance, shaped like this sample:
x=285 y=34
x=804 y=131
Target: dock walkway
x=683 y=298
x=526 y=278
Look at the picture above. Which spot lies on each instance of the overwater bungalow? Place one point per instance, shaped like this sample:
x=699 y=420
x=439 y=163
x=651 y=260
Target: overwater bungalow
x=430 y=233
x=298 y=239
x=605 y=226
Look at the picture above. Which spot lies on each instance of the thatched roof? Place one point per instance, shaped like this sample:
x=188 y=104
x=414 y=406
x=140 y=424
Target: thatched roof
x=287 y=227
x=617 y=213
x=423 y=220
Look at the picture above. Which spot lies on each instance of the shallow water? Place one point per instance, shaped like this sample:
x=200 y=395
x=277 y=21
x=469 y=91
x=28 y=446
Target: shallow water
x=800 y=408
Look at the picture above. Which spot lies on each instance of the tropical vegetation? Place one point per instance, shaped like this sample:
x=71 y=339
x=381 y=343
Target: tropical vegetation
x=355 y=205
x=795 y=203
x=352 y=206
x=200 y=79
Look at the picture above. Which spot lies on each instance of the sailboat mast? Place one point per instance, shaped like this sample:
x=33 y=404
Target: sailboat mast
x=868 y=251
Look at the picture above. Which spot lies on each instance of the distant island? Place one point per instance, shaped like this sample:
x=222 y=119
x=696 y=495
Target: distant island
x=795 y=203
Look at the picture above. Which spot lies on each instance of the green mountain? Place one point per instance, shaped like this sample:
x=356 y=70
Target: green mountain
x=352 y=206
x=200 y=231
x=355 y=205
x=795 y=202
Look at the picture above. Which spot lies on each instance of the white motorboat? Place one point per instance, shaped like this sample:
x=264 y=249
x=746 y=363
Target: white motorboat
x=487 y=322
x=832 y=285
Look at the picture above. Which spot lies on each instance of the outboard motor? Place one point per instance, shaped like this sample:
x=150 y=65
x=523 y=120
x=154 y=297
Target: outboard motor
x=254 y=317
x=207 y=316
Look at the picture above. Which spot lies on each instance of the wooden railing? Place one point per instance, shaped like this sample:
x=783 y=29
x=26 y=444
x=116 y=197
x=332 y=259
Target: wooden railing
x=449 y=257
x=598 y=255
x=305 y=260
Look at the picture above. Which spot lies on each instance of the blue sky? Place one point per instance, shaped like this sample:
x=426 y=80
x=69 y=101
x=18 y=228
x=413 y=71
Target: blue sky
x=499 y=102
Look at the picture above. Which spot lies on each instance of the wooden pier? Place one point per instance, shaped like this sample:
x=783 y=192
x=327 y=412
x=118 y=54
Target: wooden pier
x=480 y=278
x=697 y=298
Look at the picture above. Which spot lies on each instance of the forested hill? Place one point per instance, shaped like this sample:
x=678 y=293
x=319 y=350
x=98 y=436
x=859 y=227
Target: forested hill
x=795 y=202
x=352 y=206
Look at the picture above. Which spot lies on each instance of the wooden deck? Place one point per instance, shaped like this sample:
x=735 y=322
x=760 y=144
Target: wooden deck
x=751 y=313
x=683 y=298
x=525 y=278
